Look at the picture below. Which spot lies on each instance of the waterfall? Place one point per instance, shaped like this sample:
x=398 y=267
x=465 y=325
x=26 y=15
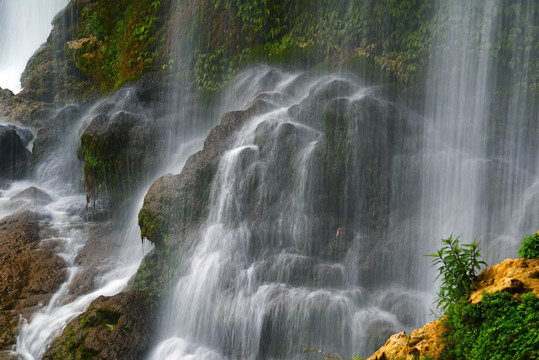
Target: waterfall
x=257 y=280
x=324 y=202
x=254 y=279
x=59 y=175
x=479 y=165
x=24 y=26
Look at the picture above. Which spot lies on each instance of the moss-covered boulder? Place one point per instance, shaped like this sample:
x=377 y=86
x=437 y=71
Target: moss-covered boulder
x=116 y=327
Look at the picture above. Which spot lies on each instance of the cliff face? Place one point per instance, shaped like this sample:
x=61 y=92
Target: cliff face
x=514 y=276
x=97 y=46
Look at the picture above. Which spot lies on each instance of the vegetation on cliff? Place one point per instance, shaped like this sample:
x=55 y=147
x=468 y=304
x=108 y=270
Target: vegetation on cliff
x=494 y=317
x=502 y=325
x=382 y=40
x=118 y=41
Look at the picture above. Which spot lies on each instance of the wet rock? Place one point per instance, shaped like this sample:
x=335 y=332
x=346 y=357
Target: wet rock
x=99 y=251
x=117 y=327
x=176 y=203
x=15 y=158
x=119 y=151
x=55 y=130
x=33 y=194
x=50 y=74
x=21 y=110
x=25 y=134
x=30 y=272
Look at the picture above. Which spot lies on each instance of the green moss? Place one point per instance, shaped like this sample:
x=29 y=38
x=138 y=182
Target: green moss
x=103 y=316
x=118 y=41
x=71 y=346
x=151 y=227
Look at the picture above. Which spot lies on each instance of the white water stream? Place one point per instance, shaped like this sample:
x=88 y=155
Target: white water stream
x=55 y=176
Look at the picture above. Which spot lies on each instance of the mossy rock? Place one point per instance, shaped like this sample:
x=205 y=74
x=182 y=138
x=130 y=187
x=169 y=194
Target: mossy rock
x=118 y=153
x=117 y=327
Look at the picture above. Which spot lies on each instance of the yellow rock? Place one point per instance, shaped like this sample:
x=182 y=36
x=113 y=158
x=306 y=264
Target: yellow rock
x=515 y=276
x=422 y=342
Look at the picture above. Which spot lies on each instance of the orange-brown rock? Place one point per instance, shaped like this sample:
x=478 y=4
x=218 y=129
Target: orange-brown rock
x=422 y=342
x=30 y=272
x=515 y=276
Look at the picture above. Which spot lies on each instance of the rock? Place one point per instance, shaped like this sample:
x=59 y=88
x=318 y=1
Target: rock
x=15 y=158
x=100 y=249
x=119 y=151
x=50 y=74
x=515 y=276
x=33 y=194
x=25 y=134
x=19 y=109
x=30 y=272
x=55 y=131
x=176 y=203
x=422 y=343
x=117 y=327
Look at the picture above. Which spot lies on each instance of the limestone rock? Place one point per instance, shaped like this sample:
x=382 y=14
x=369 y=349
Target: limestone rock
x=421 y=343
x=33 y=194
x=30 y=272
x=175 y=203
x=19 y=109
x=515 y=276
x=119 y=150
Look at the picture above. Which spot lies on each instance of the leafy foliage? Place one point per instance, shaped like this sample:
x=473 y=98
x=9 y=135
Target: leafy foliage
x=119 y=40
x=499 y=327
x=530 y=247
x=457 y=269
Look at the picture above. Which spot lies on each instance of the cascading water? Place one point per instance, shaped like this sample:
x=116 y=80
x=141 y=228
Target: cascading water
x=59 y=174
x=323 y=205
x=258 y=279
x=478 y=167
x=24 y=26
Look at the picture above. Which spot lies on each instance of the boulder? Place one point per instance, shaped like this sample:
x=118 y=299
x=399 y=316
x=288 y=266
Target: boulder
x=30 y=272
x=14 y=158
x=421 y=343
x=55 y=129
x=175 y=204
x=119 y=150
x=33 y=194
x=116 y=327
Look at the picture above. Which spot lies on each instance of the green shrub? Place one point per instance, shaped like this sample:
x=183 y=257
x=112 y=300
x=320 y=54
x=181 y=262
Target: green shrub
x=457 y=270
x=499 y=327
x=530 y=247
